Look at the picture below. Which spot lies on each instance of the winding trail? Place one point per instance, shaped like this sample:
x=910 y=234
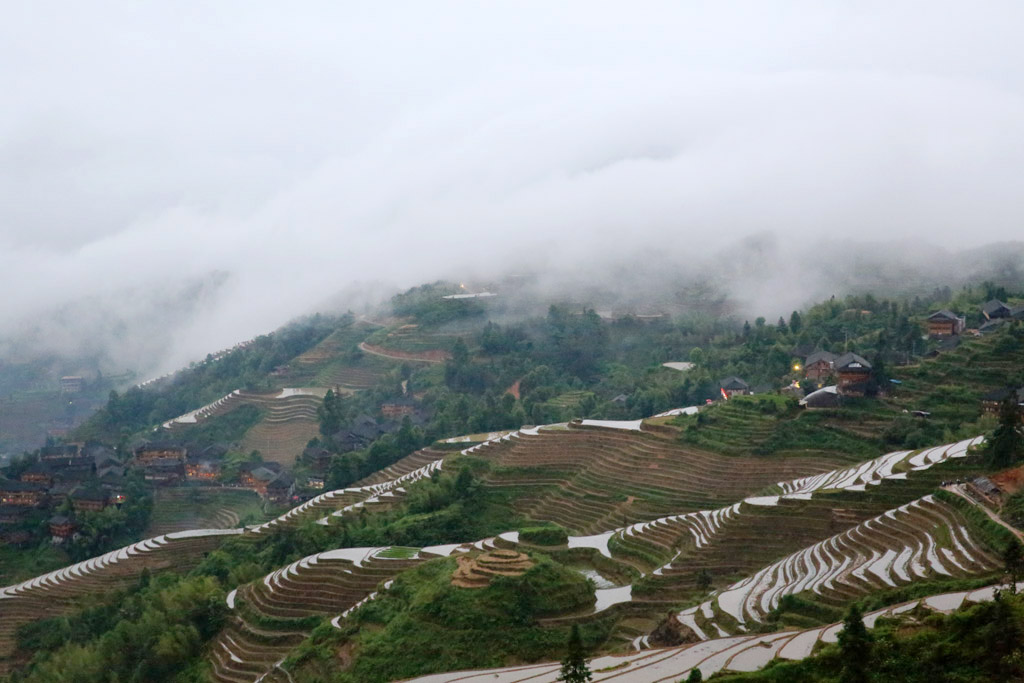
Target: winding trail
x=958 y=490
x=399 y=355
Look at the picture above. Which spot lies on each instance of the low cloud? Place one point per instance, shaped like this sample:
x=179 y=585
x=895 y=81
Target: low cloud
x=175 y=179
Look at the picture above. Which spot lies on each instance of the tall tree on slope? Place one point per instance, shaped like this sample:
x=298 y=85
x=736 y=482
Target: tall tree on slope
x=574 y=666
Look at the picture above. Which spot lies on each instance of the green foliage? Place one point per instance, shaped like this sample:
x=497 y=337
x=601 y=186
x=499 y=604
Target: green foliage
x=978 y=644
x=1013 y=509
x=157 y=632
x=855 y=645
x=247 y=367
x=544 y=535
x=423 y=624
x=574 y=666
x=228 y=427
x=1006 y=444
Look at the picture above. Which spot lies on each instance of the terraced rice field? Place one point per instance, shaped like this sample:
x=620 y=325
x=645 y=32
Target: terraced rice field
x=290 y=422
x=590 y=480
x=972 y=369
x=809 y=526
x=334 y=582
x=924 y=539
x=54 y=593
x=725 y=654
x=181 y=509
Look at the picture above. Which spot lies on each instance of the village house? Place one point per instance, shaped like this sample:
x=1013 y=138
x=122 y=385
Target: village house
x=164 y=471
x=72 y=384
x=819 y=365
x=733 y=386
x=995 y=309
x=854 y=374
x=993 y=400
x=24 y=493
x=257 y=479
x=315 y=482
x=62 y=528
x=16 y=538
x=13 y=514
x=90 y=500
x=160 y=451
x=202 y=470
x=68 y=451
x=317 y=458
x=945 y=323
x=39 y=473
x=398 y=408
x=281 y=488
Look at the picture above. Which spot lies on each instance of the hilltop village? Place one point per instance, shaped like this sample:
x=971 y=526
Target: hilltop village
x=348 y=488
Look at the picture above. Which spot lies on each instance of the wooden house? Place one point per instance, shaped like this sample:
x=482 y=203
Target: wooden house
x=62 y=528
x=39 y=473
x=90 y=500
x=993 y=400
x=257 y=479
x=854 y=374
x=280 y=489
x=945 y=323
x=160 y=451
x=733 y=386
x=62 y=452
x=995 y=309
x=202 y=470
x=71 y=384
x=398 y=408
x=164 y=471
x=26 y=493
x=819 y=365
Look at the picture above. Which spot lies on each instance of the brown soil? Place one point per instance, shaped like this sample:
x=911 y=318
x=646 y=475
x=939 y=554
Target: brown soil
x=477 y=572
x=1010 y=481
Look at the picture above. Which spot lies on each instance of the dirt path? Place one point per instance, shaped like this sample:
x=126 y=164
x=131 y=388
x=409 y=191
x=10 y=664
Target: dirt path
x=418 y=357
x=958 y=490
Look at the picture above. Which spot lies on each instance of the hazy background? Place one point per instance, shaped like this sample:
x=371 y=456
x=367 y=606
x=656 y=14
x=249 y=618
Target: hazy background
x=177 y=177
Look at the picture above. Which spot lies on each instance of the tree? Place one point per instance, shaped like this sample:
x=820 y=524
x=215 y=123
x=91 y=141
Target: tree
x=855 y=647
x=695 y=676
x=703 y=580
x=574 y=666
x=796 y=323
x=1007 y=443
x=1013 y=561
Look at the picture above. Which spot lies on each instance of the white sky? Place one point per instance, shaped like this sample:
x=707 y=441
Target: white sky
x=293 y=148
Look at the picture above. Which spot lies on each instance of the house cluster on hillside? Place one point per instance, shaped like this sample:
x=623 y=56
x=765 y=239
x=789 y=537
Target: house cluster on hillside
x=836 y=375
x=992 y=402
x=948 y=325
x=91 y=477
x=166 y=464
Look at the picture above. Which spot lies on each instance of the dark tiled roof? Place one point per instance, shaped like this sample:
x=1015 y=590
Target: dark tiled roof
x=1002 y=394
x=826 y=356
x=733 y=383
x=944 y=314
x=90 y=494
x=851 y=362
x=12 y=486
x=994 y=306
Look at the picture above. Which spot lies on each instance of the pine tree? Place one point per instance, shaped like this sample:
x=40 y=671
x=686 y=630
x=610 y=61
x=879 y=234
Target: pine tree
x=855 y=647
x=1013 y=561
x=1007 y=443
x=795 y=323
x=695 y=677
x=574 y=666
